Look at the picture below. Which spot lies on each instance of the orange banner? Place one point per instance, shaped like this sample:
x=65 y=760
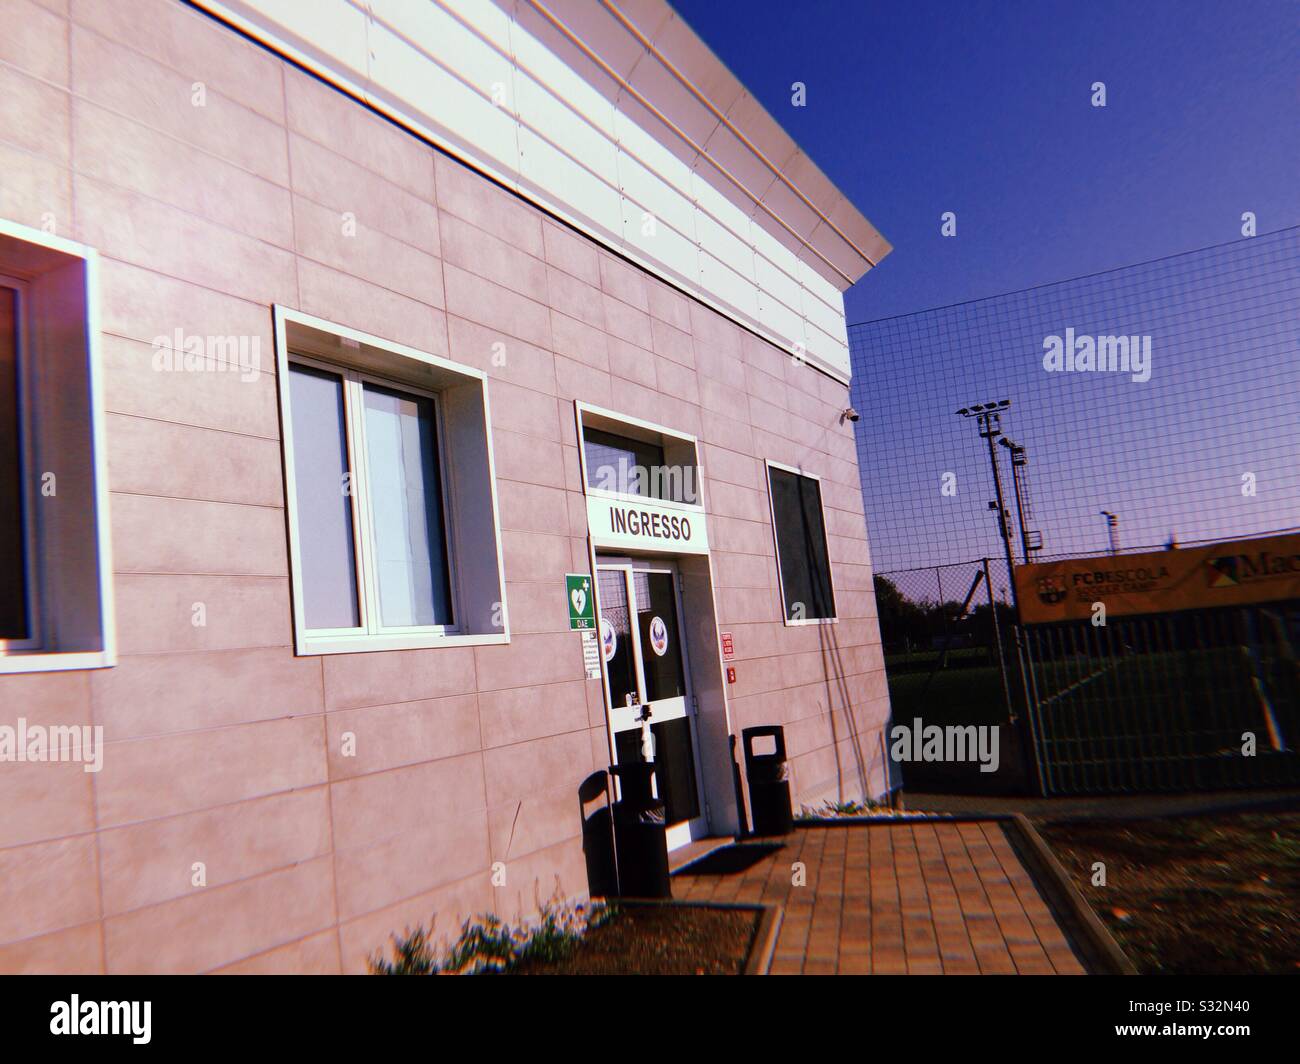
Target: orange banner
x=1235 y=573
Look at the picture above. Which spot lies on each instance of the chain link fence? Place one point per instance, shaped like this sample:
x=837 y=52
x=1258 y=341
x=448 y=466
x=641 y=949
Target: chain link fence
x=1191 y=437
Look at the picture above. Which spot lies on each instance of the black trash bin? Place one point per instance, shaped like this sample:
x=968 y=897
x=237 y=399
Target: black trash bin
x=640 y=834
x=769 y=782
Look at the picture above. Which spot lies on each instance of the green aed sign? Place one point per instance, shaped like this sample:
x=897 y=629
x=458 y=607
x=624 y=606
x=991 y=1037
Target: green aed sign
x=582 y=601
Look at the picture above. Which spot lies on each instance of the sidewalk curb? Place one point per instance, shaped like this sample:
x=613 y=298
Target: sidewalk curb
x=1055 y=882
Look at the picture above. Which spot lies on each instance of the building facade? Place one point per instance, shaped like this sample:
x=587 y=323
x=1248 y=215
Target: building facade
x=400 y=400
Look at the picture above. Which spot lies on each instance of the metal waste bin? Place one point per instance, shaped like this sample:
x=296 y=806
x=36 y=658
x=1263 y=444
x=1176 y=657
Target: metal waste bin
x=640 y=834
x=769 y=782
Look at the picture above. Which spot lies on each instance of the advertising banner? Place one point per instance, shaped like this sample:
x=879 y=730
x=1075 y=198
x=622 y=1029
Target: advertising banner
x=1235 y=573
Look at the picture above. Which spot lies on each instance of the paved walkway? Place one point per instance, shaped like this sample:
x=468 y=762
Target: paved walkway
x=897 y=898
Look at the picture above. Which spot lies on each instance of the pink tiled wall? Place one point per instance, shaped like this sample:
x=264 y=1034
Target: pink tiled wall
x=223 y=747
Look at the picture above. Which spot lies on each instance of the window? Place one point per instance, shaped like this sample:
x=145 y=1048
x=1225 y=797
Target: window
x=623 y=465
x=15 y=620
x=801 y=555
x=390 y=550
x=55 y=592
x=628 y=457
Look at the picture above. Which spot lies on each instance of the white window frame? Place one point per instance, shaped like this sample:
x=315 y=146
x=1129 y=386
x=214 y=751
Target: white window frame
x=628 y=421
x=372 y=635
x=796 y=622
x=41 y=652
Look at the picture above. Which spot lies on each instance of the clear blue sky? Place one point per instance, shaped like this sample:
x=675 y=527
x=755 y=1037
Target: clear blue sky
x=916 y=107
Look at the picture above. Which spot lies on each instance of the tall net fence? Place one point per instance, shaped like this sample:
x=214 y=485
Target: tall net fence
x=1152 y=406
x=1190 y=429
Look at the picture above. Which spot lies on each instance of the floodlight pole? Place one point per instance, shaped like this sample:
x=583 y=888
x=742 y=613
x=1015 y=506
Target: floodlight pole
x=990 y=426
x=1112 y=530
x=1017 y=460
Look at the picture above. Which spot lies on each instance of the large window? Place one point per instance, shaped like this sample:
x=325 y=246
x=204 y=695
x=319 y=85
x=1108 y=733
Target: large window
x=390 y=550
x=55 y=591
x=801 y=555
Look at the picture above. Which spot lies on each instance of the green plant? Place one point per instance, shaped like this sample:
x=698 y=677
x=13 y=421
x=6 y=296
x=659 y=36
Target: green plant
x=848 y=808
x=487 y=945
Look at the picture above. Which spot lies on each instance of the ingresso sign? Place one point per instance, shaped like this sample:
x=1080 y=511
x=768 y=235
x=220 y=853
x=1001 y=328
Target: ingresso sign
x=646 y=525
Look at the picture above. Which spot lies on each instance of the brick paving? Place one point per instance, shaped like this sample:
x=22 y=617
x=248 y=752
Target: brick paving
x=915 y=898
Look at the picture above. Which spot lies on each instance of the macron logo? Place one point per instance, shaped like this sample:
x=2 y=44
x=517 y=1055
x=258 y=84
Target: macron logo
x=102 y=1017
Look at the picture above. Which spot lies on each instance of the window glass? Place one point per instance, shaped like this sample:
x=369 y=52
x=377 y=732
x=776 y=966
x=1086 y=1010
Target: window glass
x=661 y=642
x=633 y=467
x=801 y=546
x=13 y=554
x=327 y=554
x=405 y=495
x=616 y=638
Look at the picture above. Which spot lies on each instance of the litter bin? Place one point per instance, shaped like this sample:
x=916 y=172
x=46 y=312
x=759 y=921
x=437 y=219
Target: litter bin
x=769 y=782
x=640 y=834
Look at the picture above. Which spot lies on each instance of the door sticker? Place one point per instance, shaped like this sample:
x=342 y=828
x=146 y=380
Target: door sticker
x=658 y=636
x=608 y=639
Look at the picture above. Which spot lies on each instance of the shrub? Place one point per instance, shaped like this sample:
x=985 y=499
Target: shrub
x=487 y=945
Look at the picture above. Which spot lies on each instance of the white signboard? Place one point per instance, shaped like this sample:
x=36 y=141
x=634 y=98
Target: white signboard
x=646 y=525
x=591 y=655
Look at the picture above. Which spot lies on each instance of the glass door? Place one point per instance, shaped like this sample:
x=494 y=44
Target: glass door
x=648 y=685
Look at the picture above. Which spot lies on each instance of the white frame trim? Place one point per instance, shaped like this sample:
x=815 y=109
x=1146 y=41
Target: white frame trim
x=370 y=638
x=45 y=659
x=768 y=466
x=683 y=831
x=582 y=408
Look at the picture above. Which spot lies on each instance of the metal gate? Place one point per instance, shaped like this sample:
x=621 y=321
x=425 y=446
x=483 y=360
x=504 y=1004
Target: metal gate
x=1198 y=699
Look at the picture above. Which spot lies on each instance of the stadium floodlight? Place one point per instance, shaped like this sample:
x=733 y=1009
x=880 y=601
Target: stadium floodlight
x=990 y=428
x=1112 y=529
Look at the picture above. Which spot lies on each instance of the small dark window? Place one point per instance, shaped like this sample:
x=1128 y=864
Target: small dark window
x=801 y=553
x=13 y=553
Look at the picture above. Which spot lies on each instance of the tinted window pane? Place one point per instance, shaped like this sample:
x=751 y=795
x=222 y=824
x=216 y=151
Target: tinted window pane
x=13 y=591
x=801 y=546
x=320 y=462
x=661 y=642
x=616 y=638
x=617 y=463
x=675 y=769
x=406 y=503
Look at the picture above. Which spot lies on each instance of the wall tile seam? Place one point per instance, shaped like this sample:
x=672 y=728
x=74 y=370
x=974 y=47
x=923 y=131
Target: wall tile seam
x=213 y=30
x=427 y=698
x=31 y=75
x=190 y=498
x=94 y=924
x=136 y=416
x=194 y=145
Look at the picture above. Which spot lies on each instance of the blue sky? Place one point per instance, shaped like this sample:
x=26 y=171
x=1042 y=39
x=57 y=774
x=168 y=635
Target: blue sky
x=916 y=107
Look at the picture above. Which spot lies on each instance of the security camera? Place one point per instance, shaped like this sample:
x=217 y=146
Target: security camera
x=850 y=414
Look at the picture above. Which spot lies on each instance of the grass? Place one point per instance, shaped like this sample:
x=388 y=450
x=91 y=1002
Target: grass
x=659 y=940
x=584 y=940
x=1203 y=895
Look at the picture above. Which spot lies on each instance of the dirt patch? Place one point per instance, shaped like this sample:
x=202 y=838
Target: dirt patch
x=1193 y=895
x=659 y=940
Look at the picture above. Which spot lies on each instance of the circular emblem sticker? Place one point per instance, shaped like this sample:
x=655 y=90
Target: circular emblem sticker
x=608 y=639
x=658 y=636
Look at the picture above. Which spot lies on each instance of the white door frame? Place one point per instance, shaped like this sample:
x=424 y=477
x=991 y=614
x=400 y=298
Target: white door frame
x=624 y=718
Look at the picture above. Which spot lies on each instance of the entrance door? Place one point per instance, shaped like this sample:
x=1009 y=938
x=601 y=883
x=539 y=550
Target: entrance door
x=646 y=671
